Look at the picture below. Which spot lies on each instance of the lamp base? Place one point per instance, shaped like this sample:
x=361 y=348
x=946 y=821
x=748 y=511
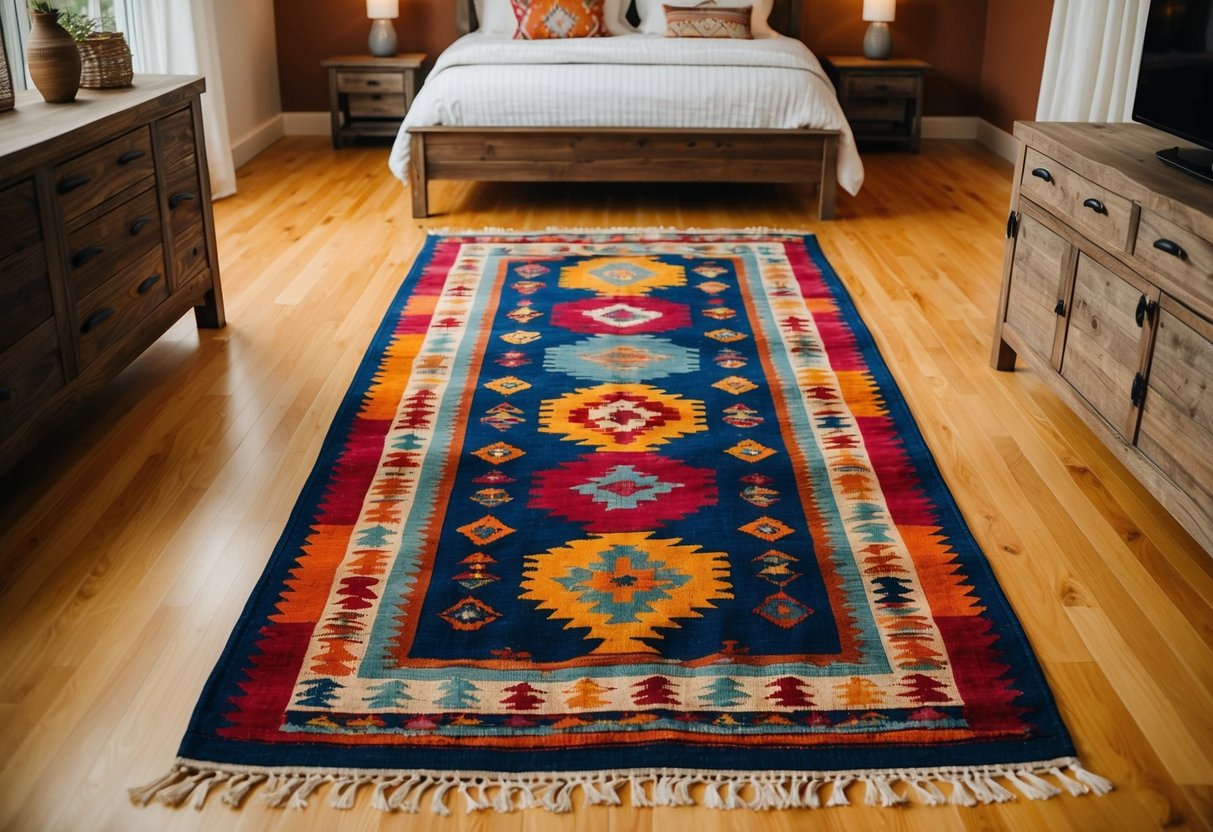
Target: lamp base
x=383 y=38
x=877 y=42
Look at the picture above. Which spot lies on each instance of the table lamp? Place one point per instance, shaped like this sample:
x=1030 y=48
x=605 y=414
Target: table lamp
x=877 y=42
x=383 y=34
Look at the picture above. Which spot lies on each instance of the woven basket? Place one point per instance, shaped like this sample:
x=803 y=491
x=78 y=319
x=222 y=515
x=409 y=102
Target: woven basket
x=105 y=60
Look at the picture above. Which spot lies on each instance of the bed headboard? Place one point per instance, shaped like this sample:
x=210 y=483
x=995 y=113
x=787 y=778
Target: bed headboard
x=785 y=16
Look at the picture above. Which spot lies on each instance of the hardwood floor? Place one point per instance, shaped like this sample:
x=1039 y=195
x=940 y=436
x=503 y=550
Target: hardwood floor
x=130 y=540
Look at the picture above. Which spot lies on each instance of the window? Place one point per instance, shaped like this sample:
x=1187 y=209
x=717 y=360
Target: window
x=14 y=15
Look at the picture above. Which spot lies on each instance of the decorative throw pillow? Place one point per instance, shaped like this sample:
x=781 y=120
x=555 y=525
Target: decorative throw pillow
x=497 y=17
x=652 y=15
x=707 y=21
x=543 y=19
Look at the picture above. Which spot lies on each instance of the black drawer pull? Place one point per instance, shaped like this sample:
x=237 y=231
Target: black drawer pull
x=882 y=87
x=5 y=395
x=147 y=284
x=1095 y=205
x=73 y=182
x=85 y=254
x=1172 y=248
x=1060 y=308
x=1140 y=314
x=371 y=82
x=1042 y=173
x=96 y=319
x=130 y=156
x=139 y=224
x=180 y=197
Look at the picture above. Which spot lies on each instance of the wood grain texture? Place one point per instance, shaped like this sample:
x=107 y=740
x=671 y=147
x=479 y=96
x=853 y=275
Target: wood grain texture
x=131 y=538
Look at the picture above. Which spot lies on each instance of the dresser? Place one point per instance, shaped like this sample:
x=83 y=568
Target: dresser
x=1107 y=293
x=107 y=240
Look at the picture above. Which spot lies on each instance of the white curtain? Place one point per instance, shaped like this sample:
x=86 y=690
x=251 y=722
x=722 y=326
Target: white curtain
x=177 y=37
x=1092 y=59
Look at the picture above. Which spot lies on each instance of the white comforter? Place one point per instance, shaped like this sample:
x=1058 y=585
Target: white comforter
x=630 y=81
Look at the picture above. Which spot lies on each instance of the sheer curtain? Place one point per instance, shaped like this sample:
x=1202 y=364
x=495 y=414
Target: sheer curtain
x=178 y=37
x=1091 y=60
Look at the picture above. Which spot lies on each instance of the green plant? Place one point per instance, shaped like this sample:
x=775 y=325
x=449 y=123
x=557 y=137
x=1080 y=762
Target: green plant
x=80 y=26
x=44 y=7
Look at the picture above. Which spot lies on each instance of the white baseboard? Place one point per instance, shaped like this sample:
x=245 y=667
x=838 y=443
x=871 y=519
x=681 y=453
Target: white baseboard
x=949 y=127
x=307 y=123
x=998 y=140
x=257 y=140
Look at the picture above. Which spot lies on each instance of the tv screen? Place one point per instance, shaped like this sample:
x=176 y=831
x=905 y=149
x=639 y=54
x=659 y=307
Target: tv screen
x=1175 y=84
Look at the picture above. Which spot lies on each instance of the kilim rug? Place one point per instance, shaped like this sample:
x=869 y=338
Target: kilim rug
x=608 y=510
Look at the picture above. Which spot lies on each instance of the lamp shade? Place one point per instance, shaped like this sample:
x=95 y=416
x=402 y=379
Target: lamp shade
x=389 y=9
x=879 y=10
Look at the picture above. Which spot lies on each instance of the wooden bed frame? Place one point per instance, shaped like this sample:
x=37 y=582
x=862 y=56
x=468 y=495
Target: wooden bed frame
x=625 y=154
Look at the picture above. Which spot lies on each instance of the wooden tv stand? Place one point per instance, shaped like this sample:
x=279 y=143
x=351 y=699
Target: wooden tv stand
x=1107 y=292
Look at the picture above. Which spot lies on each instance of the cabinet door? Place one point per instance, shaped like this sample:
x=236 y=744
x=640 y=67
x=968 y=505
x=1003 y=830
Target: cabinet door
x=1104 y=342
x=1037 y=285
x=1177 y=415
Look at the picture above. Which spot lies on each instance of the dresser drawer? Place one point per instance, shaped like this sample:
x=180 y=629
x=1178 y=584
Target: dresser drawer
x=109 y=244
x=175 y=137
x=350 y=81
x=88 y=180
x=877 y=86
x=114 y=310
x=1183 y=257
x=184 y=200
x=190 y=255
x=1093 y=210
x=387 y=105
x=25 y=294
x=19 y=218
x=31 y=371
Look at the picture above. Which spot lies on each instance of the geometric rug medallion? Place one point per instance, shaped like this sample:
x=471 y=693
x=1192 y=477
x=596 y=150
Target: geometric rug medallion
x=634 y=516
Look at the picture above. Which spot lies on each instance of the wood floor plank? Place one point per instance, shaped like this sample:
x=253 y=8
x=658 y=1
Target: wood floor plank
x=131 y=538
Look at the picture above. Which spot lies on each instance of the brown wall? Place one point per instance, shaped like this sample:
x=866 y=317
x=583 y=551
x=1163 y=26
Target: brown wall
x=987 y=54
x=1016 y=34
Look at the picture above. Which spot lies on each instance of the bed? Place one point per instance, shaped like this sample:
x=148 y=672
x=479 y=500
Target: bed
x=635 y=107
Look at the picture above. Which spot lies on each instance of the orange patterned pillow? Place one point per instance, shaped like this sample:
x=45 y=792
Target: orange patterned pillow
x=707 y=21
x=543 y=19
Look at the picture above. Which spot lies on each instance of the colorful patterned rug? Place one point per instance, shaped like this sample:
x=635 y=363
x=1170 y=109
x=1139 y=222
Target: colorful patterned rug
x=625 y=509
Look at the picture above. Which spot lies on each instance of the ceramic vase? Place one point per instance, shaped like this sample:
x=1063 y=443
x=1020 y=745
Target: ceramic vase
x=54 y=60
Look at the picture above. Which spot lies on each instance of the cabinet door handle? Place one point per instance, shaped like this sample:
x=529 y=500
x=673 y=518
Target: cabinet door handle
x=1140 y=314
x=1012 y=225
x=85 y=254
x=1060 y=308
x=180 y=197
x=1172 y=248
x=96 y=319
x=73 y=182
x=139 y=224
x=130 y=156
x=1095 y=205
x=1042 y=173
x=1137 y=393
x=147 y=284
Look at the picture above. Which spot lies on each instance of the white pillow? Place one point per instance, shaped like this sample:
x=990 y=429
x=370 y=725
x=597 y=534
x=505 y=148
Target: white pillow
x=497 y=17
x=652 y=15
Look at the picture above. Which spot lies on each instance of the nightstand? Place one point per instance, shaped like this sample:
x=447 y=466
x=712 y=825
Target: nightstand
x=369 y=96
x=882 y=100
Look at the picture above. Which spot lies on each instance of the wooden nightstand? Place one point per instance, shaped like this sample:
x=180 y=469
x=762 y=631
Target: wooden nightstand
x=882 y=99
x=369 y=96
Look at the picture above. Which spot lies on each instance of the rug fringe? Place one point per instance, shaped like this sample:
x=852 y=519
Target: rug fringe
x=402 y=791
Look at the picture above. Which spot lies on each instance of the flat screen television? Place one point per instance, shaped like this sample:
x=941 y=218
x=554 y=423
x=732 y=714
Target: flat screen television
x=1175 y=85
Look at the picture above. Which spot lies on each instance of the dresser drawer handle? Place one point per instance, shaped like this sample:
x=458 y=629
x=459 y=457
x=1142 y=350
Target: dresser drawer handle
x=1042 y=173
x=178 y=198
x=371 y=82
x=139 y=224
x=130 y=156
x=1172 y=248
x=85 y=254
x=1095 y=205
x=882 y=87
x=73 y=182
x=144 y=287
x=96 y=319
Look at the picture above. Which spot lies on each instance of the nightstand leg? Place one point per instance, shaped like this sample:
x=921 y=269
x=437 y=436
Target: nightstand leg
x=334 y=109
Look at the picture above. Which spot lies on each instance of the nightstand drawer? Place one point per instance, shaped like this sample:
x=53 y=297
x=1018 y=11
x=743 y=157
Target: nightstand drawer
x=370 y=82
x=370 y=105
x=876 y=86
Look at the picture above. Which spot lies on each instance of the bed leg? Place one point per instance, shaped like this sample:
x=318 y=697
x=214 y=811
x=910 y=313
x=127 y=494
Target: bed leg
x=417 y=179
x=827 y=188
